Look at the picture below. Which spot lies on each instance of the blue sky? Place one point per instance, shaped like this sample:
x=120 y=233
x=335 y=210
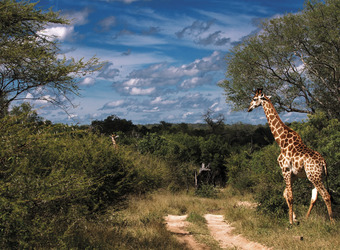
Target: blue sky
x=164 y=57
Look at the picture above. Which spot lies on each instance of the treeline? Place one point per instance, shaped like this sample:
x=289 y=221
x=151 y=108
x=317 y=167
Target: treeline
x=241 y=155
x=59 y=181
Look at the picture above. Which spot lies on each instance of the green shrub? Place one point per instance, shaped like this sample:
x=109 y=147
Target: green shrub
x=55 y=178
x=206 y=191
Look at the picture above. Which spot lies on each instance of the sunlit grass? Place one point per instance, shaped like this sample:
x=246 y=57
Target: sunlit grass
x=140 y=225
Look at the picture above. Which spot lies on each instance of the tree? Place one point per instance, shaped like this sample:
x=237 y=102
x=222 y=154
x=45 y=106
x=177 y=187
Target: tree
x=215 y=122
x=30 y=64
x=113 y=124
x=296 y=58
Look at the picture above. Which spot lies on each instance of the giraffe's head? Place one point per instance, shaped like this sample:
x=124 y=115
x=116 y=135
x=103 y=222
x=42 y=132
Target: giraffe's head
x=258 y=99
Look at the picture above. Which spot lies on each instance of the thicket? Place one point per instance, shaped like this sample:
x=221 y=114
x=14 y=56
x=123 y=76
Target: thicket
x=55 y=180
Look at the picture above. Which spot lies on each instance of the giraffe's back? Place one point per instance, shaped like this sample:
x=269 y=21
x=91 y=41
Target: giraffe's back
x=307 y=162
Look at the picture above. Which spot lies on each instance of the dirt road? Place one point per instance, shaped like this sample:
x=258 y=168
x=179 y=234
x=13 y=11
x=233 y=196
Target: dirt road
x=177 y=225
x=219 y=229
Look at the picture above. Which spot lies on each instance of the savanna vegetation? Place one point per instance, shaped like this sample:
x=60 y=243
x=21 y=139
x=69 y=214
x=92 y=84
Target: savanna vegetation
x=66 y=186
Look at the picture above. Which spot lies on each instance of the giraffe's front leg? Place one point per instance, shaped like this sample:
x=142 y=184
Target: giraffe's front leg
x=288 y=194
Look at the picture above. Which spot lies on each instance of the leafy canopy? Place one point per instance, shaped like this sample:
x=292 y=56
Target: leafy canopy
x=30 y=63
x=296 y=58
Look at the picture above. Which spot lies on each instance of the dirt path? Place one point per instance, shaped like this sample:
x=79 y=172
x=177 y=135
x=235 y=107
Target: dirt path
x=177 y=225
x=222 y=232
x=219 y=229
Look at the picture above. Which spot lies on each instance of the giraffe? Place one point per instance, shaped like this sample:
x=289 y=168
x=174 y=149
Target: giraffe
x=113 y=138
x=296 y=159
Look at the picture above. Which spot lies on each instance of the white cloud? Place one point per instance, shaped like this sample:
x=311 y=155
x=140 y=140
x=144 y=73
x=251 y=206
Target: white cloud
x=88 y=81
x=61 y=32
x=72 y=116
x=113 y=104
x=159 y=100
x=140 y=91
x=196 y=81
x=155 y=109
x=29 y=96
x=78 y=17
x=66 y=32
x=185 y=115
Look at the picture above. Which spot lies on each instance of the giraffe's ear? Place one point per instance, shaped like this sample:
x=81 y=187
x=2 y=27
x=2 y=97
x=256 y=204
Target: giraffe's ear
x=258 y=91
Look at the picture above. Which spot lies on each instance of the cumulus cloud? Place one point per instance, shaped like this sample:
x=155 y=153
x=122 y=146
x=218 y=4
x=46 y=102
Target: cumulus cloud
x=108 y=71
x=66 y=32
x=61 y=32
x=87 y=81
x=114 y=104
x=160 y=101
x=196 y=81
x=140 y=91
x=185 y=115
x=163 y=78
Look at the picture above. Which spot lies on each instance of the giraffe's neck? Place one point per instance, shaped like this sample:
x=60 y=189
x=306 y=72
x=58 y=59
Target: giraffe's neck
x=277 y=127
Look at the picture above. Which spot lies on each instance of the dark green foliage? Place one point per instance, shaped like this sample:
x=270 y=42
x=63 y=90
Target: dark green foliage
x=268 y=183
x=238 y=170
x=113 y=124
x=206 y=191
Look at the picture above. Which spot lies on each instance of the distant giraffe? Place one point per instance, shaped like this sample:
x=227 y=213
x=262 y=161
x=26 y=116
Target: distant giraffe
x=113 y=138
x=296 y=159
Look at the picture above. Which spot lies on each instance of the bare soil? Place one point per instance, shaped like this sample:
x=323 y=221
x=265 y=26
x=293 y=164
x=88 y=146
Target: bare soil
x=219 y=229
x=177 y=225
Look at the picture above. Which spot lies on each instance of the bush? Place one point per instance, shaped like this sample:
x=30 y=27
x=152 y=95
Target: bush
x=56 y=178
x=206 y=191
x=238 y=170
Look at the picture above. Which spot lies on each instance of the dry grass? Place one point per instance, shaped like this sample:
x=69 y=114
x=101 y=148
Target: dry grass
x=315 y=233
x=141 y=224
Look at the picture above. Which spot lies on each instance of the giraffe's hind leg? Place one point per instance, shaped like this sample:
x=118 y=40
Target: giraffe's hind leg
x=312 y=202
x=326 y=197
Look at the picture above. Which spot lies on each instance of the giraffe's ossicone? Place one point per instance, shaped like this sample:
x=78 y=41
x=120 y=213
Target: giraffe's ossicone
x=295 y=159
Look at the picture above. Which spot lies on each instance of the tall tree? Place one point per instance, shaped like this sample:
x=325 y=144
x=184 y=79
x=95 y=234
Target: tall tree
x=296 y=58
x=30 y=63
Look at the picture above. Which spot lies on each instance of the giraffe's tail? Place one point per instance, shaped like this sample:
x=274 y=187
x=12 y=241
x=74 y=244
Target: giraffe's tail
x=325 y=169
x=324 y=165
x=335 y=196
